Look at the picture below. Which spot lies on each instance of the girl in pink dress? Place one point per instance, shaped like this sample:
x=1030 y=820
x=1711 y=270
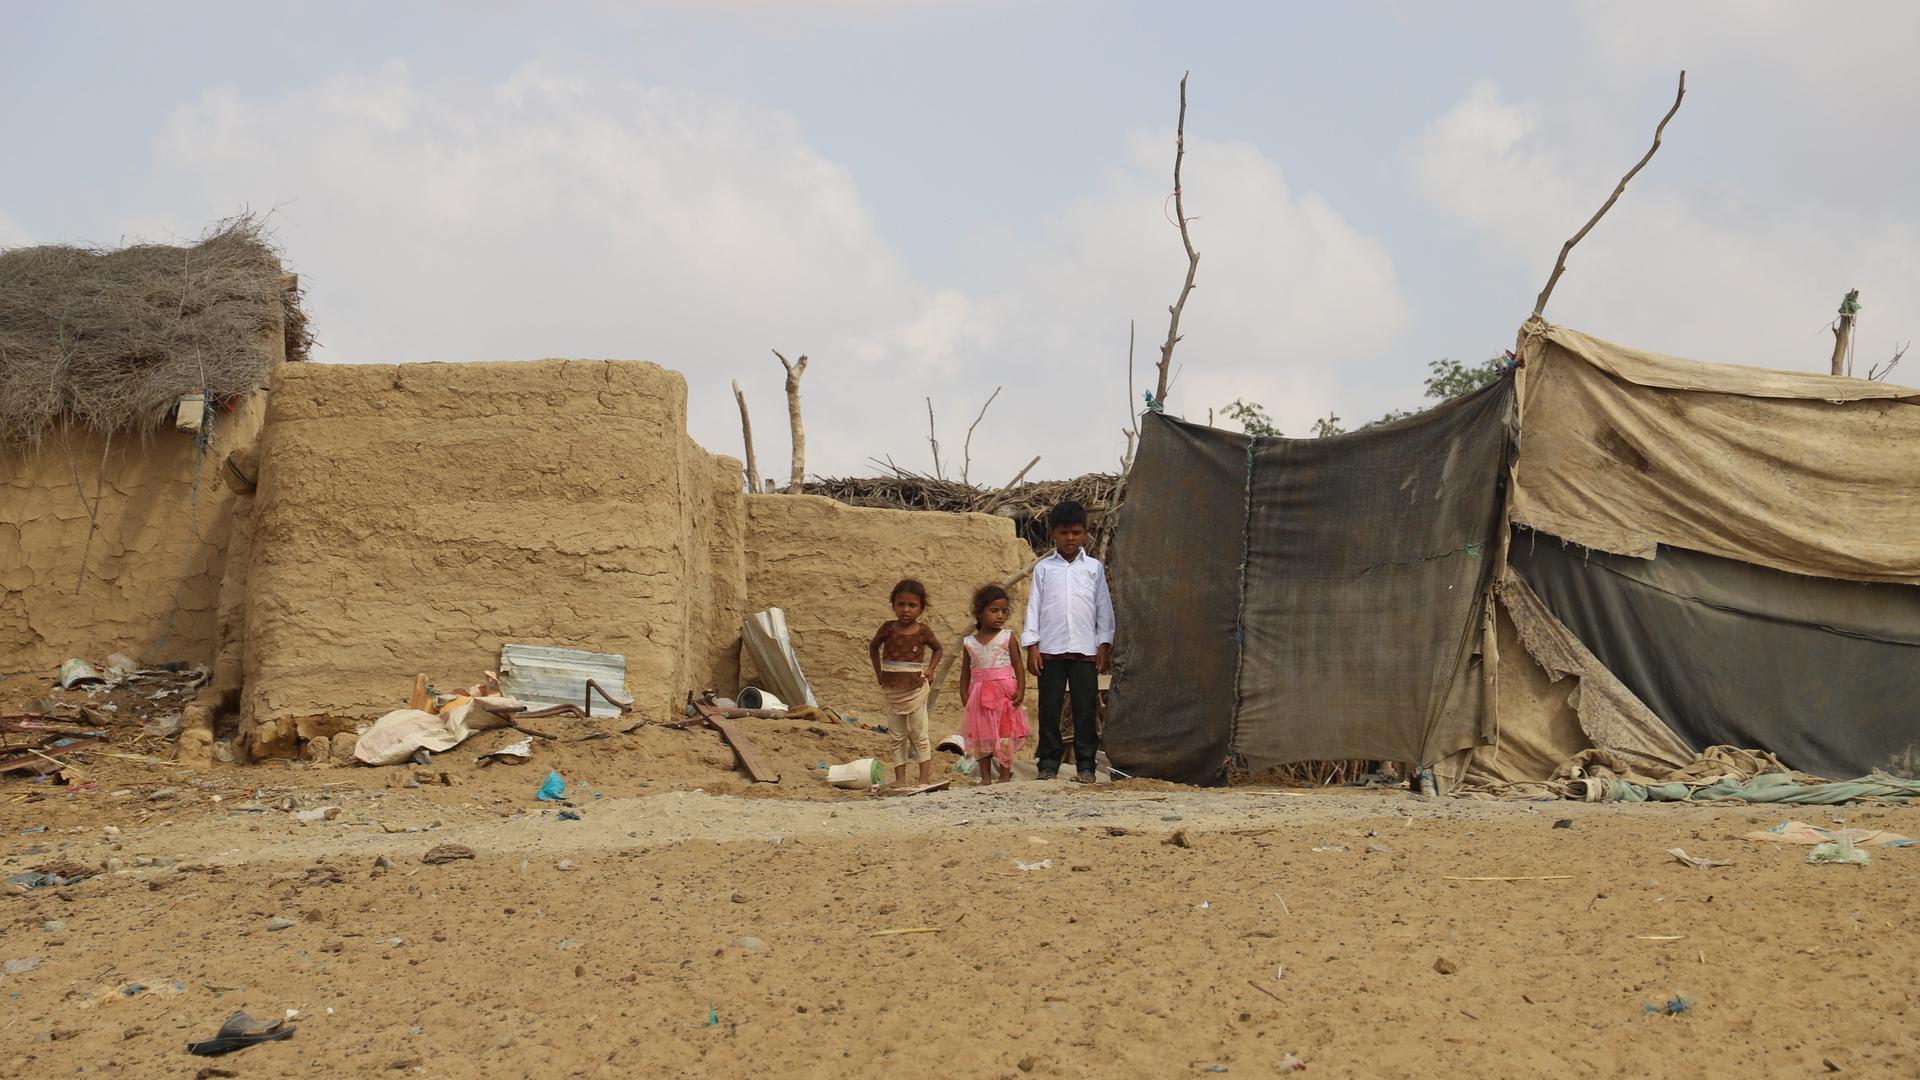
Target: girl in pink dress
x=992 y=687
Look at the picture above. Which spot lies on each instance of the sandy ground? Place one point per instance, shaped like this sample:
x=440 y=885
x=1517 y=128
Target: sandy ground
x=692 y=924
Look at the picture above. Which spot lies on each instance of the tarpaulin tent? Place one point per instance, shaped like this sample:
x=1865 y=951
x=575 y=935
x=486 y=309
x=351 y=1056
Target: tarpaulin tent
x=1613 y=549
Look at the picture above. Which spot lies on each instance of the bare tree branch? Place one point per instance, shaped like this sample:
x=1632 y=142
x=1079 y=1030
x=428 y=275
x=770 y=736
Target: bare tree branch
x=935 y=443
x=1877 y=373
x=1186 y=241
x=966 y=448
x=746 y=434
x=794 y=371
x=1560 y=265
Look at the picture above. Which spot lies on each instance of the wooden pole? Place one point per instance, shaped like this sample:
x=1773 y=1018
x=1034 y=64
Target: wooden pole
x=1843 y=333
x=794 y=371
x=746 y=433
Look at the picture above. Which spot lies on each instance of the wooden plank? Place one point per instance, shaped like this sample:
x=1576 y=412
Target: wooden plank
x=750 y=757
x=938 y=785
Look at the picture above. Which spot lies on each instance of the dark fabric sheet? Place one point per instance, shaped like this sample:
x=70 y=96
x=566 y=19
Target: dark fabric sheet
x=1822 y=672
x=1355 y=631
x=1178 y=548
x=1369 y=557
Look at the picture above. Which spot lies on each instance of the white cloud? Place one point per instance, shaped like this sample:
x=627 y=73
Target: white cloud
x=1708 y=270
x=566 y=214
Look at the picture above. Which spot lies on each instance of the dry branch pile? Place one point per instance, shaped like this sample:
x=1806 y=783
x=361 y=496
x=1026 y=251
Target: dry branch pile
x=1026 y=504
x=111 y=339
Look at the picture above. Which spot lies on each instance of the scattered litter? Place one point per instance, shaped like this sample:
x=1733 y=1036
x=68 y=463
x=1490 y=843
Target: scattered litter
x=446 y=853
x=1799 y=832
x=906 y=930
x=1290 y=1063
x=1695 y=861
x=569 y=815
x=1445 y=966
x=20 y=967
x=280 y=922
x=1178 y=839
x=1564 y=823
x=511 y=754
x=1379 y=849
x=552 y=788
x=857 y=775
x=1333 y=849
x=1674 y=1006
x=35 y=829
x=750 y=944
x=239 y=1032
x=1214 y=1069
x=1043 y=864
x=54 y=926
x=54 y=875
x=1206 y=905
x=1841 y=852
x=324 y=813
x=713 y=1015
x=78 y=672
x=1659 y=937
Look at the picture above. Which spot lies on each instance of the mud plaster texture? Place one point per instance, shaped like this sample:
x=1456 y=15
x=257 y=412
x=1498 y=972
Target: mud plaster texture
x=150 y=580
x=415 y=518
x=831 y=566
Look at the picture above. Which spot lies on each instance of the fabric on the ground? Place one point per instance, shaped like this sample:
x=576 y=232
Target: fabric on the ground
x=1824 y=673
x=1306 y=599
x=1556 y=699
x=1799 y=832
x=1627 y=451
x=1772 y=788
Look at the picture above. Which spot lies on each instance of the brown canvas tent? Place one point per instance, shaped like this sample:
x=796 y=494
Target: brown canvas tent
x=1610 y=550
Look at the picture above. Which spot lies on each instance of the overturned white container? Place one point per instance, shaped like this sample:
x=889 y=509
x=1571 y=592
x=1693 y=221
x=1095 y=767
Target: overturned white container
x=752 y=697
x=861 y=774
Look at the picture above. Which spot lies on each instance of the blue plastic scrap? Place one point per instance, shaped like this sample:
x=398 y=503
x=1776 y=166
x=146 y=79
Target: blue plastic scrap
x=1674 y=1006
x=553 y=788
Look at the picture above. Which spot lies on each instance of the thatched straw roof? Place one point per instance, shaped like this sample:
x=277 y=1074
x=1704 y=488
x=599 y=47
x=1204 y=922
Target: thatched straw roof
x=111 y=339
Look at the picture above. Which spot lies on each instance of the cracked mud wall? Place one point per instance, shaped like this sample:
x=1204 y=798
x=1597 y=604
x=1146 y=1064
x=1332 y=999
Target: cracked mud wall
x=414 y=518
x=830 y=567
x=156 y=540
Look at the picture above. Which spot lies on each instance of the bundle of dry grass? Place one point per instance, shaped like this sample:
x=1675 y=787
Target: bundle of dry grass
x=111 y=339
x=1027 y=504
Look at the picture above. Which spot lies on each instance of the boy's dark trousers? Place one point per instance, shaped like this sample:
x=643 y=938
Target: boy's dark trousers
x=1057 y=676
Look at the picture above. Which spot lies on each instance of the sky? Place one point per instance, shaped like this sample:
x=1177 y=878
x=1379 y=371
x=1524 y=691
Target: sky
x=935 y=198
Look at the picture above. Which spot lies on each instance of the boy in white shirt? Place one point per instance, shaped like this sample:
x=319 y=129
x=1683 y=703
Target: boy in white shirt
x=1069 y=640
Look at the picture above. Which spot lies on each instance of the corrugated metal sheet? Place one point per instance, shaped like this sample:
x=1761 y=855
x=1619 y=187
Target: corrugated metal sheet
x=771 y=649
x=543 y=675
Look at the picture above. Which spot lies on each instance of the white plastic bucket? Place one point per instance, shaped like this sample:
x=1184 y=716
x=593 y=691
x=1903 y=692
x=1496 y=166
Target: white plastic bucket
x=861 y=774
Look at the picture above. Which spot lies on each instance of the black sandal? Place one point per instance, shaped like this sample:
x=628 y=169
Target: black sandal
x=239 y=1032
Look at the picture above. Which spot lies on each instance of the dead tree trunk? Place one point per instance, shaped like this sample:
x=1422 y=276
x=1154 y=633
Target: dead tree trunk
x=794 y=371
x=746 y=434
x=1843 y=333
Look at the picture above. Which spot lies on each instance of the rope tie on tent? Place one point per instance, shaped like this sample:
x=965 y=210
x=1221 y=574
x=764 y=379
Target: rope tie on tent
x=1470 y=549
